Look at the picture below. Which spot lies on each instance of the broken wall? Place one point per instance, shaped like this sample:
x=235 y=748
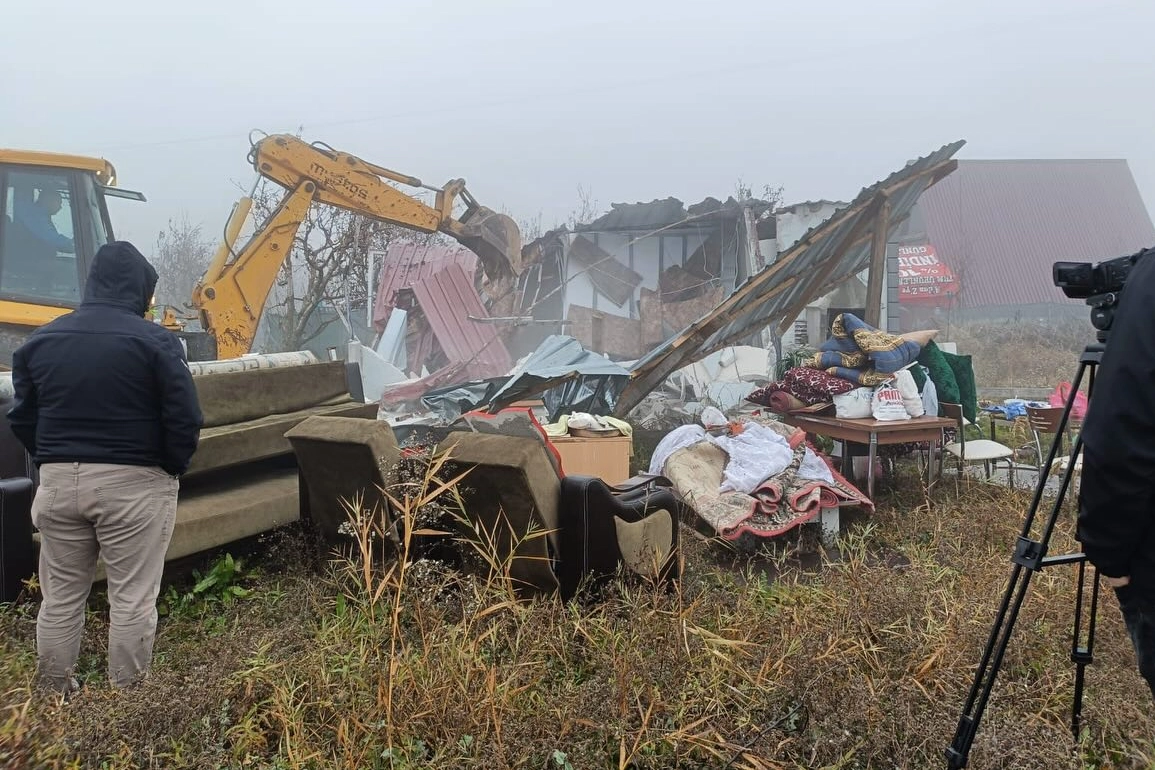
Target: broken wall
x=661 y=320
x=813 y=322
x=646 y=256
x=605 y=333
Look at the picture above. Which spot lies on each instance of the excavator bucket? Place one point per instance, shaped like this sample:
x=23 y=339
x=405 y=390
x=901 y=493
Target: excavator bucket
x=496 y=240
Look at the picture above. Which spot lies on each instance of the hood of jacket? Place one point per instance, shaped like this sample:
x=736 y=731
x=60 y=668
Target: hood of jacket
x=121 y=276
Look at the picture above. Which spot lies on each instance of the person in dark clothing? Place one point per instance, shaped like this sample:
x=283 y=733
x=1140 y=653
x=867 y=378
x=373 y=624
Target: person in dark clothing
x=1116 y=513
x=105 y=404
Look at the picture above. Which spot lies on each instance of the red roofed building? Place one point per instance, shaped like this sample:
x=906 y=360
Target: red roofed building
x=980 y=244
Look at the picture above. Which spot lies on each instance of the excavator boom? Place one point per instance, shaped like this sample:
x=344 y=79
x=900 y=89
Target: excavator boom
x=233 y=292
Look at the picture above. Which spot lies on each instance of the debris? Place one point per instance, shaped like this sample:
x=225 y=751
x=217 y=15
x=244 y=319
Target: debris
x=827 y=255
x=610 y=276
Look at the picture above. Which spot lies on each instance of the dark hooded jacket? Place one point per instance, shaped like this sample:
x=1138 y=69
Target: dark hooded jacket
x=1116 y=523
x=104 y=385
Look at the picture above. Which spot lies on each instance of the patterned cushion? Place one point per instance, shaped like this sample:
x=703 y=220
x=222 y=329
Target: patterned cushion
x=810 y=386
x=867 y=378
x=839 y=351
x=829 y=358
x=888 y=352
x=921 y=337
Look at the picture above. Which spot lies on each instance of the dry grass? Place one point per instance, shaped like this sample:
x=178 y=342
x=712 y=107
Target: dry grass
x=1024 y=354
x=859 y=658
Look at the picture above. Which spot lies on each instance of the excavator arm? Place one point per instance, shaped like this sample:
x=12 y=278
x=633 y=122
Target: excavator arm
x=231 y=296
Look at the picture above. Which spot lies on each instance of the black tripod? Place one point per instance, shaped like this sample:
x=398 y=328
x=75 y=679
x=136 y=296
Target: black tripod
x=1030 y=556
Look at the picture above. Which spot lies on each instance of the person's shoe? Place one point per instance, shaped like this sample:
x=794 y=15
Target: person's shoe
x=70 y=687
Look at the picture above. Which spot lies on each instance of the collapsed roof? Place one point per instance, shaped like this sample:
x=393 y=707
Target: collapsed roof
x=663 y=213
x=824 y=257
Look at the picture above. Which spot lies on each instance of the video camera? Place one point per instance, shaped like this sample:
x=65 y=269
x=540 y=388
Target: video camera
x=1100 y=285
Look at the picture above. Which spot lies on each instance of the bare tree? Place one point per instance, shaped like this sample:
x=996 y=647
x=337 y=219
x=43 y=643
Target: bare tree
x=587 y=209
x=531 y=229
x=768 y=193
x=181 y=255
x=324 y=275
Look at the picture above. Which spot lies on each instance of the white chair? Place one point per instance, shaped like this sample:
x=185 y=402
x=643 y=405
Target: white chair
x=982 y=450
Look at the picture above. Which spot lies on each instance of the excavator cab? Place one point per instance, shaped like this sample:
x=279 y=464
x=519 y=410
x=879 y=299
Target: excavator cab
x=54 y=219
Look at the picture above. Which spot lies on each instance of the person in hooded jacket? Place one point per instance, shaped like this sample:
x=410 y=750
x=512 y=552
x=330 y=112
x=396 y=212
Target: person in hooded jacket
x=1116 y=524
x=105 y=405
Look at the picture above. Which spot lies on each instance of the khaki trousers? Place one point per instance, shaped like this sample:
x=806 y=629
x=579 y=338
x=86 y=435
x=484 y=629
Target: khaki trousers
x=124 y=514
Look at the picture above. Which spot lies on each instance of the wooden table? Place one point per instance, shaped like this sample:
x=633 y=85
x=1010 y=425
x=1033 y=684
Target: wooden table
x=874 y=433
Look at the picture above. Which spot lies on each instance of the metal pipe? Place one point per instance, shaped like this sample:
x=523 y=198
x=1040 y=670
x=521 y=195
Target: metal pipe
x=253 y=361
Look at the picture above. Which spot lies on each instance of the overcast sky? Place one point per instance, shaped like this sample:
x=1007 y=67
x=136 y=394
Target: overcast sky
x=528 y=100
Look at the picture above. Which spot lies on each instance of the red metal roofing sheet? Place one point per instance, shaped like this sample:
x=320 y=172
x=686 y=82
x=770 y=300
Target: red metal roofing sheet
x=448 y=299
x=407 y=263
x=1000 y=224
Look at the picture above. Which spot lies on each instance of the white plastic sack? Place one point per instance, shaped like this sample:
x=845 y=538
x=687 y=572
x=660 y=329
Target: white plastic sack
x=854 y=405
x=814 y=468
x=929 y=395
x=911 y=400
x=583 y=420
x=712 y=417
x=887 y=404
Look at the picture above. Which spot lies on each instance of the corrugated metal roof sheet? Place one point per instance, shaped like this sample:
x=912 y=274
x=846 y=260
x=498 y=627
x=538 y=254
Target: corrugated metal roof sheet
x=638 y=216
x=670 y=211
x=809 y=205
x=407 y=263
x=826 y=256
x=448 y=300
x=1001 y=224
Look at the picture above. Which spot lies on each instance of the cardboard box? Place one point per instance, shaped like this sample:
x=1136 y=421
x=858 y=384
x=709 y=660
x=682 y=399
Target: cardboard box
x=607 y=458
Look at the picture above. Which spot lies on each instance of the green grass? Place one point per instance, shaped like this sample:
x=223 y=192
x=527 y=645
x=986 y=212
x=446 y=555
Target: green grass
x=795 y=657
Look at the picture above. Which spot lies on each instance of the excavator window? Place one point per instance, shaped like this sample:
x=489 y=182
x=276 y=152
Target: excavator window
x=42 y=250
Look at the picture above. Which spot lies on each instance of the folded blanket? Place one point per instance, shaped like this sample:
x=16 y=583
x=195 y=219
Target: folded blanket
x=782 y=402
x=826 y=359
x=867 y=378
x=786 y=499
x=808 y=385
x=887 y=352
x=866 y=356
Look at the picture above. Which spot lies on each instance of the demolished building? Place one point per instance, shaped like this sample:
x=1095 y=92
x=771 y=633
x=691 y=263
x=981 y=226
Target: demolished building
x=630 y=279
x=656 y=286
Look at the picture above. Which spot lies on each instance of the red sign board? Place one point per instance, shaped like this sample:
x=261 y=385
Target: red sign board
x=922 y=277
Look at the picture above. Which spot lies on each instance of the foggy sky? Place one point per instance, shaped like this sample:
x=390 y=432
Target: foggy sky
x=529 y=100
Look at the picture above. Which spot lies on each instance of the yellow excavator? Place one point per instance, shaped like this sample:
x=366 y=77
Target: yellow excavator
x=232 y=294
x=243 y=478
x=55 y=218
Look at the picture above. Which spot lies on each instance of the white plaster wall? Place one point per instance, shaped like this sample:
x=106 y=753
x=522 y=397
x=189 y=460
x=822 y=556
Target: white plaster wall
x=579 y=289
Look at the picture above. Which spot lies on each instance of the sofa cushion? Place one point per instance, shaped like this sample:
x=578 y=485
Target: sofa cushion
x=344 y=460
x=226 y=445
x=511 y=489
x=234 y=397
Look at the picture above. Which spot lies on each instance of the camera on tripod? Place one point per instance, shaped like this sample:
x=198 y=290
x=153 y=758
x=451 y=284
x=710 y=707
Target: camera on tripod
x=1100 y=285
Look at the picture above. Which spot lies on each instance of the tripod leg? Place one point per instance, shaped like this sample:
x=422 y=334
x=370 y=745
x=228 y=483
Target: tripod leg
x=1082 y=655
x=1029 y=557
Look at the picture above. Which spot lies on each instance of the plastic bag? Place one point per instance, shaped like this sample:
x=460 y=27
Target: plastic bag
x=712 y=417
x=1062 y=393
x=854 y=404
x=887 y=403
x=911 y=400
x=929 y=395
